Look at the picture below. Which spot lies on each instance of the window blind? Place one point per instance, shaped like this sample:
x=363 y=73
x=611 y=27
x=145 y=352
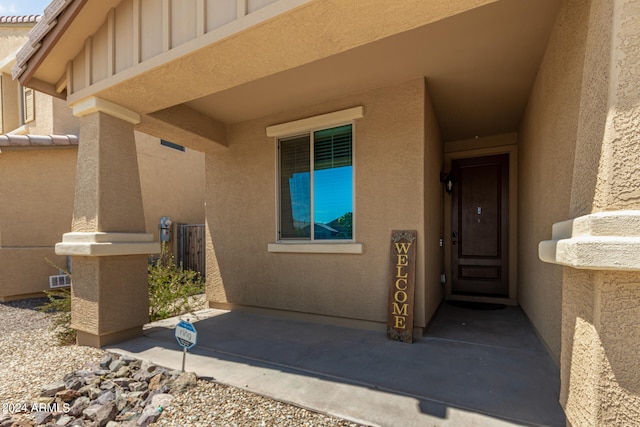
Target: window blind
x=332 y=148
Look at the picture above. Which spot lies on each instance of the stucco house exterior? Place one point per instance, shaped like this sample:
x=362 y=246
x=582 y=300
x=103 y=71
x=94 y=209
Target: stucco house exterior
x=37 y=171
x=316 y=113
x=38 y=155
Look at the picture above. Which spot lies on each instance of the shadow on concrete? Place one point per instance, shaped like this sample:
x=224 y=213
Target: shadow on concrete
x=481 y=367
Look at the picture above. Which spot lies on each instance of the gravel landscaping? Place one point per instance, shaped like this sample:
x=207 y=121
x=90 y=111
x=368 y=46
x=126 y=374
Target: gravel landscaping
x=31 y=361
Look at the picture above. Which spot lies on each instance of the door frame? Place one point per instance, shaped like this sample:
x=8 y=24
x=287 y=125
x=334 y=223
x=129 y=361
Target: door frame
x=462 y=151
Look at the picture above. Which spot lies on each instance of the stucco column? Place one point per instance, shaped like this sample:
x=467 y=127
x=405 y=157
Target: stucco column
x=108 y=244
x=600 y=248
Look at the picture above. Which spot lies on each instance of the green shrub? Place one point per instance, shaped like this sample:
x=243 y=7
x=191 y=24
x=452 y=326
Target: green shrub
x=59 y=308
x=171 y=287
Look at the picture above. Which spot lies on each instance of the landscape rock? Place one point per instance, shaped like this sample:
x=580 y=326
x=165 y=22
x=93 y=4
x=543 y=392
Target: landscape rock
x=156 y=382
x=138 y=386
x=90 y=391
x=64 y=420
x=68 y=395
x=74 y=383
x=123 y=382
x=106 y=413
x=42 y=417
x=106 y=360
x=116 y=364
x=20 y=423
x=93 y=380
x=118 y=391
x=161 y=400
x=184 y=381
x=79 y=405
x=106 y=397
x=91 y=411
x=107 y=385
x=50 y=390
x=149 y=415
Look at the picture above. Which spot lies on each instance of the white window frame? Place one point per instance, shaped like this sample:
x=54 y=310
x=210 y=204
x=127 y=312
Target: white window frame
x=307 y=127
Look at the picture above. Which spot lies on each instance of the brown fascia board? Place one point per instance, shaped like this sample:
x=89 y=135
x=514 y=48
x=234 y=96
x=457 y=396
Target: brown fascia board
x=24 y=71
x=47 y=88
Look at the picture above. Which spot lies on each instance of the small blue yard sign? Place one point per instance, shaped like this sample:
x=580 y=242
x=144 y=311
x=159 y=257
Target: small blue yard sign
x=186 y=334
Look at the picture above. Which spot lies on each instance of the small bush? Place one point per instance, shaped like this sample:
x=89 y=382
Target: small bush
x=171 y=287
x=59 y=308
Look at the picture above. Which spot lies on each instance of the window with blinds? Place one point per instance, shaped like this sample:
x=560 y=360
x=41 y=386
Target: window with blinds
x=316 y=185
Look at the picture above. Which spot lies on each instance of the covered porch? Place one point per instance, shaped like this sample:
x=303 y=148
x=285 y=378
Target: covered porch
x=473 y=367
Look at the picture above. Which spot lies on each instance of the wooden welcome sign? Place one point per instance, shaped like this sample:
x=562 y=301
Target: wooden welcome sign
x=403 y=280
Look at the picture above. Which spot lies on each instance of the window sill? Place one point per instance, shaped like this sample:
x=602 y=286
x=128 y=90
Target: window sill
x=316 y=248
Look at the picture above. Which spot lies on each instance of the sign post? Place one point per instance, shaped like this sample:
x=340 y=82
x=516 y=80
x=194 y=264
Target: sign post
x=186 y=336
x=402 y=286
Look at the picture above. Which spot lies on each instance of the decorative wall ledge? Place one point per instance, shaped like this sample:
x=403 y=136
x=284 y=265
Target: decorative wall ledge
x=107 y=244
x=599 y=241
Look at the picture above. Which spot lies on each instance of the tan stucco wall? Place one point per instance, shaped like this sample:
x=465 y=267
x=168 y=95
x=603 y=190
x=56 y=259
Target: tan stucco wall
x=43 y=123
x=64 y=122
x=618 y=184
x=37 y=195
x=12 y=38
x=389 y=178
x=10 y=104
x=172 y=183
x=600 y=366
x=37 y=201
x=26 y=271
x=433 y=210
x=547 y=145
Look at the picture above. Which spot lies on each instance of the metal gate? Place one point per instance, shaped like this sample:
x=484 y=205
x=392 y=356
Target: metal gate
x=191 y=247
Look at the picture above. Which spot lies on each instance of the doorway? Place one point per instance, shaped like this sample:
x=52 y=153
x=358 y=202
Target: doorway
x=481 y=225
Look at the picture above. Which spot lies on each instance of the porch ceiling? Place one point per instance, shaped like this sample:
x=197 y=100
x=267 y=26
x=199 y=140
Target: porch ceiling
x=479 y=65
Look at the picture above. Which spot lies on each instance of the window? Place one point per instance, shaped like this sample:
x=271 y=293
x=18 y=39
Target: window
x=316 y=185
x=28 y=105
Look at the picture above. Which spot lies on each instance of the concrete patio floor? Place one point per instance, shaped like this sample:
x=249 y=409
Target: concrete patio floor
x=473 y=367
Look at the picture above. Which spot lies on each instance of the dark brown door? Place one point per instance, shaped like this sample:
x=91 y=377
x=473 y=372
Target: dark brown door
x=480 y=213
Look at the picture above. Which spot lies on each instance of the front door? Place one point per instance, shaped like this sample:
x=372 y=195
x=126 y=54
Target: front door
x=479 y=224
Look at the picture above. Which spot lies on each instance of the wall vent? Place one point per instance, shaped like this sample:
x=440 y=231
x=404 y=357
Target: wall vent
x=59 y=281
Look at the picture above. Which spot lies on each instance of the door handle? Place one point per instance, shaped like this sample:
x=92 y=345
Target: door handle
x=455 y=236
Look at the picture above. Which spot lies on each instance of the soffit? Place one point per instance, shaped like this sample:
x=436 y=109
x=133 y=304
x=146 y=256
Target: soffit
x=480 y=66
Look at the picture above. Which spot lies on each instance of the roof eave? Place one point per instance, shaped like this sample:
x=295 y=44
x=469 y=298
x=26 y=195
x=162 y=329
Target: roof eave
x=57 y=19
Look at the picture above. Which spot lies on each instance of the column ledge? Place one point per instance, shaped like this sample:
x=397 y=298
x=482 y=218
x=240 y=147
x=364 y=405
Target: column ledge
x=599 y=241
x=107 y=244
x=92 y=104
